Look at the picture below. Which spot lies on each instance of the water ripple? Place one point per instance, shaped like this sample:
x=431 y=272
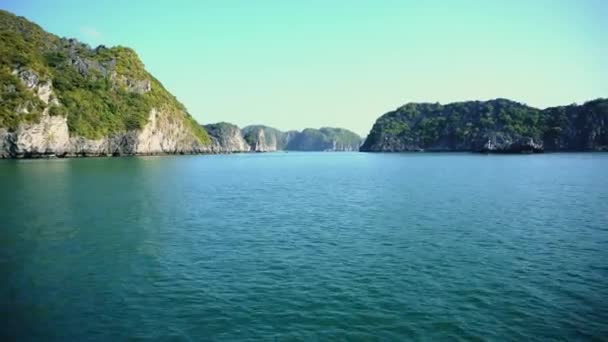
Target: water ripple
x=292 y=247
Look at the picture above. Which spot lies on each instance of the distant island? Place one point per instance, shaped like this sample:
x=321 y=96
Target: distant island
x=59 y=97
x=496 y=126
x=228 y=138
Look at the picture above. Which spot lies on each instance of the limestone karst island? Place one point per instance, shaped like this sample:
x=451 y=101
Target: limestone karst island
x=344 y=170
x=61 y=98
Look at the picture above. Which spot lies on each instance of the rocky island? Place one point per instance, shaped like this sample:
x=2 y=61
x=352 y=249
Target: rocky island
x=260 y=138
x=324 y=139
x=266 y=139
x=59 y=97
x=496 y=126
x=227 y=138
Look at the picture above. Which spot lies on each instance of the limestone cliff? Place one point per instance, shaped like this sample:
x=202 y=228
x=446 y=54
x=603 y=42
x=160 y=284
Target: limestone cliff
x=266 y=139
x=60 y=97
x=324 y=139
x=226 y=138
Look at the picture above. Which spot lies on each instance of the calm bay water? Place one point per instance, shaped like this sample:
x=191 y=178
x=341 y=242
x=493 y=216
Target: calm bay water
x=305 y=246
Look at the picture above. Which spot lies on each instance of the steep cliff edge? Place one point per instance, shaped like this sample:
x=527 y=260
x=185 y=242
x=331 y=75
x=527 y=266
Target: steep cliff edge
x=60 y=97
x=266 y=139
x=227 y=138
x=496 y=126
x=324 y=139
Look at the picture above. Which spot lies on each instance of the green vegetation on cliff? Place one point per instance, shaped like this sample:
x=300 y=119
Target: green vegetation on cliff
x=325 y=138
x=18 y=41
x=100 y=91
x=265 y=138
x=497 y=124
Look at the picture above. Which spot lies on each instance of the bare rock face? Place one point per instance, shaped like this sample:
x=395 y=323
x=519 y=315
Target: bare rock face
x=27 y=77
x=47 y=136
x=265 y=139
x=324 y=139
x=45 y=93
x=50 y=137
x=263 y=144
x=501 y=144
x=226 y=138
x=268 y=139
x=132 y=85
x=162 y=135
x=86 y=65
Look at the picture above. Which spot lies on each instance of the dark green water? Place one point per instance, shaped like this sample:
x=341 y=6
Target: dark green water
x=305 y=246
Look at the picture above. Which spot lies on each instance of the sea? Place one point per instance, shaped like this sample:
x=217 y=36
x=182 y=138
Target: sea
x=305 y=246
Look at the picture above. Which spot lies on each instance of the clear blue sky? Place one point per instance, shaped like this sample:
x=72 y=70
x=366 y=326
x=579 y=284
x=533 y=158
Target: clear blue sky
x=297 y=64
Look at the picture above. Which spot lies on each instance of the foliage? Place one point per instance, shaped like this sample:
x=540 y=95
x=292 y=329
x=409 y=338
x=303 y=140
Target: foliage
x=221 y=128
x=325 y=138
x=14 y=99
x=458 y=125
x=250 y=134
x=92 y=85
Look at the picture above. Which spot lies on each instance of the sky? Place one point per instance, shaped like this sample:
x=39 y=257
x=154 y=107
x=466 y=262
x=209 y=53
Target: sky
x=343 y=63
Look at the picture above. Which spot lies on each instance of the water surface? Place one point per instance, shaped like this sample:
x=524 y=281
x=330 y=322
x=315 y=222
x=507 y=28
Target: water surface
x=305 y=246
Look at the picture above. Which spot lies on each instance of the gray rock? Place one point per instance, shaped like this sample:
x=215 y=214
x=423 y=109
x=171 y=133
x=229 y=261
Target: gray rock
x=324 y=139
x=50 y=137
x=28 y=77
x=265 y=139
x=268 y=139
x=227 y=138
x=132 y=85
x=508 y=145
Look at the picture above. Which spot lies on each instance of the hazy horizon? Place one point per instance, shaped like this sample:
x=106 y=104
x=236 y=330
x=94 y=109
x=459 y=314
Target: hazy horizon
x=296 y=65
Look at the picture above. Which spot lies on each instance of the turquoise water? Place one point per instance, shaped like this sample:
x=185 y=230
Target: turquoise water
x=305 y=246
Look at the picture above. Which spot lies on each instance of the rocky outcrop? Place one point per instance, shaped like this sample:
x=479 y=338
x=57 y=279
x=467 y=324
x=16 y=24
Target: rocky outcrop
x=324 y=139
x=496 y=126
x=59 y=97
x=226 y=138
x=51 y=138
x=76 y=53
x=500 y=144
x=50 y=135
x=266 y=139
